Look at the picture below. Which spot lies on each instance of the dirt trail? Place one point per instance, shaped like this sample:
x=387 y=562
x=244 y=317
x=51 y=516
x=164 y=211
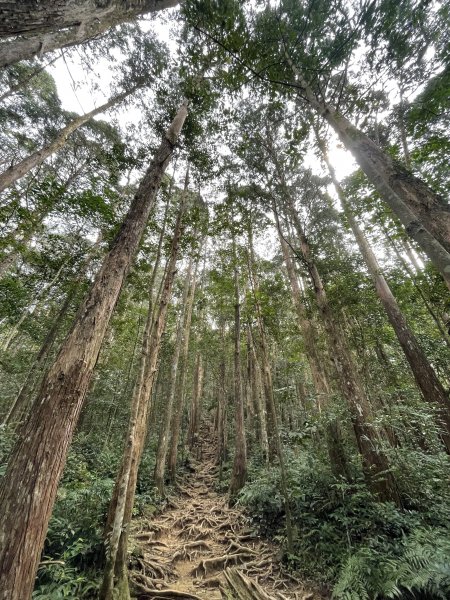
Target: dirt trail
x=200 y=548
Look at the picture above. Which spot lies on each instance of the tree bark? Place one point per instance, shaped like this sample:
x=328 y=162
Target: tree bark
x=426 y=379
x=19 y=170
x=164 y=432
x=51 y=24
x=29 y=487
x=421 y=211
x=121 y=506
x=239 y=473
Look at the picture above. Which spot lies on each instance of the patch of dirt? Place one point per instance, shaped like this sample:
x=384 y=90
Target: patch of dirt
x=202 y=549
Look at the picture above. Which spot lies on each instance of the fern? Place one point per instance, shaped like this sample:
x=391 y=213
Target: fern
x=423 y=566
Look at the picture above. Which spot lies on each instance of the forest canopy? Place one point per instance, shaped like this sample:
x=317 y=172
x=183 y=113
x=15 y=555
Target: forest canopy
x=224 y=299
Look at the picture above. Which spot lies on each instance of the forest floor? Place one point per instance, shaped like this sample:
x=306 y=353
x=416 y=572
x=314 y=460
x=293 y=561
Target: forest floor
x=200 y=548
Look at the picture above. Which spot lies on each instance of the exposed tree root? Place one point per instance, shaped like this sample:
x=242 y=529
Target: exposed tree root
x=199 y=548
x=219 y=563
x=171 y=594
x=191 y=550
x=243 y=587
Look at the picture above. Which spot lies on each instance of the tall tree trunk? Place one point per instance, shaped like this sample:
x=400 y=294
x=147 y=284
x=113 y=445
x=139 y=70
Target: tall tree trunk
x=253 y=429
x=239 y=473
x=28 y=489
x=179 y=405
x=268 y=389
x=164 y=432
x=375 y=465
x=421 y=211
x=426 y=379
x=15 y=172
x=51 y=24
x=121 y=506
x=221 y=406
x=259 y=399
x=194 y=417
x=335 y=446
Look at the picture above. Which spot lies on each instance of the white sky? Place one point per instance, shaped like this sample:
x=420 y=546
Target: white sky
x=75 y=89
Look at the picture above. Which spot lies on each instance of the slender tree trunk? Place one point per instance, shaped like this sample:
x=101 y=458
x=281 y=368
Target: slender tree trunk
x=239 y=473
x=421 y=211
x=194 y=417
x=28 y=489
x=179 y=405
x=121 y=506
x=335 y=446
x=421 y=293
x=221 y=406
x=15 y=172
x=23 y=399
x=34 y=222
x=375 y=465
x=36 y=302
x=164 y=432
x=426 y=379
x=258 y=391
x=51 y=24
x=401 y=123
x=253 y=433
x=22 y=83
x=270 y=399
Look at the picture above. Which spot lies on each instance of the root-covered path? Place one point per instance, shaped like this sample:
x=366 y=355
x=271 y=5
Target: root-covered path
x=200 y=548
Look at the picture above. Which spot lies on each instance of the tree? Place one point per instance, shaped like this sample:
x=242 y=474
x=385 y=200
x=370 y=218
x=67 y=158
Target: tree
x=15 y=172
x=426 y=379
x=49 y=427
x=49 y=25
x=284 y=66
x=121 y=506
x=239 y=474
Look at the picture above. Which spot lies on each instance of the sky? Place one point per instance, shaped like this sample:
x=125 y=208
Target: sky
x=74 y=86
x=78 y=93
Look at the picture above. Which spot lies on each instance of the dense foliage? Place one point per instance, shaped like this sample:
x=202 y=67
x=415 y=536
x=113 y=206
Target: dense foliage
x=351 y=481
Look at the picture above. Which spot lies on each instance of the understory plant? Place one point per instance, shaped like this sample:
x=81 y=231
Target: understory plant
x=357 y=547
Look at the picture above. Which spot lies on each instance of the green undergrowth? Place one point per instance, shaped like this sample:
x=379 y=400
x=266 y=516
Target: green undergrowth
x=356 y=547
x=72 y=560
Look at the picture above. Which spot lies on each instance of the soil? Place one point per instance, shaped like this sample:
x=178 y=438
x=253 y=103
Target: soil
x=201 y=548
